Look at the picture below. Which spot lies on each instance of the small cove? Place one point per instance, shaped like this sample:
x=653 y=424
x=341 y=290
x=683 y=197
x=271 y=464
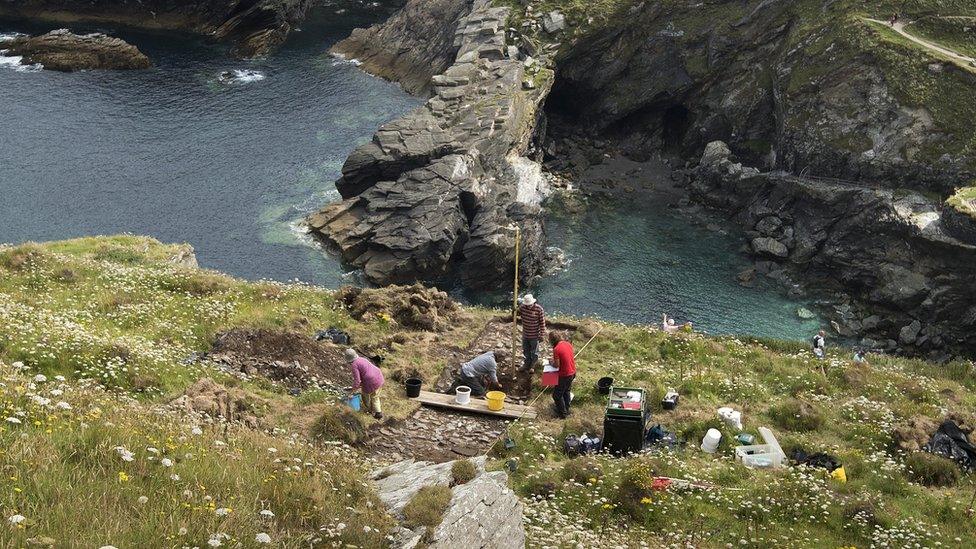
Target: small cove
x=230 y=165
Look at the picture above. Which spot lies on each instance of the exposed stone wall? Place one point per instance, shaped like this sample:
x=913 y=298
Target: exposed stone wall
x=436 y=193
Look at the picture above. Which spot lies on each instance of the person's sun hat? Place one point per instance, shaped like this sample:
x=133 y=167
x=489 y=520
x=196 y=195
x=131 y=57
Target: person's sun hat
x=351 y=355
x=528 y=299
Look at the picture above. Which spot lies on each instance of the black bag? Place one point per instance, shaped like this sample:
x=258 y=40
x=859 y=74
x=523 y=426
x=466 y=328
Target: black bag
x=950 y=442
x=335 y=335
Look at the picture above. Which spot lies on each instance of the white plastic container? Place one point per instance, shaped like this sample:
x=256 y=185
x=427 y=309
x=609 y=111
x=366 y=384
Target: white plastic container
x=462 y=395
x=768 y=455
x=732 y=418
x=710 y=441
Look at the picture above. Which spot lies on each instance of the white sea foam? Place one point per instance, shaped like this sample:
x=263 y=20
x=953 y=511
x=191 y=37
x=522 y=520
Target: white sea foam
x=15 y=62
x=241 y=76
x=339 y=59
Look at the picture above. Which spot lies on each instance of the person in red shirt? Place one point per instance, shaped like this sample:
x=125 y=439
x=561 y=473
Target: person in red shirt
x=562 y=357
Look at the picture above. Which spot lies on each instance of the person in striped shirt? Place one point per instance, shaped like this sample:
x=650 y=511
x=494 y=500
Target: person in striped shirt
x=533 y=319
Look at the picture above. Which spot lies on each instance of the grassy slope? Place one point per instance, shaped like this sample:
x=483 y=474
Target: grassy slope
x=114 y=312
x=74 y=308
x=964 y=200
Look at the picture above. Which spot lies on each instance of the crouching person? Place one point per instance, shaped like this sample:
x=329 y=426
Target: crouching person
x=366 y=378
x=480 y=374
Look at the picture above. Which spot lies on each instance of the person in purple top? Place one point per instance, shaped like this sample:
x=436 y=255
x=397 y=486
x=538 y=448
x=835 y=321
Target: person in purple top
x=366 y=378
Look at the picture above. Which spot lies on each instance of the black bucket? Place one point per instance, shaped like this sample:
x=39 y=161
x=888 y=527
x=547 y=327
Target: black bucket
x=413 y=387
x=603 y=385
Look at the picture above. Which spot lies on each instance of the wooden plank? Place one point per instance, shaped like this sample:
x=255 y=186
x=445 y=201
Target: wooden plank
x=477 y=405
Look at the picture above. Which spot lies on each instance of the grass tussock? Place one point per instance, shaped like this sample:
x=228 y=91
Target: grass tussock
x=427 y=506
x=463 y=472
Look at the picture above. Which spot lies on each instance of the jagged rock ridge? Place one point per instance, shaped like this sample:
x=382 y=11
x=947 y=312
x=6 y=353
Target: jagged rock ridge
x=443 y=187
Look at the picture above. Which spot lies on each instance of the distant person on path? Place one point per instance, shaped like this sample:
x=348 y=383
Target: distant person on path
x=669 y=326
x=533 y=319
x=564 y=359
x=820 y=344
x=860 y=356
x=480 y=374
x=366 y=378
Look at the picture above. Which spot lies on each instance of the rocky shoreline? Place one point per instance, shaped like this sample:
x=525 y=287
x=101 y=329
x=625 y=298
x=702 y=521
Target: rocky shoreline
x=62 y=50
x=255 y=27
x=900 y=280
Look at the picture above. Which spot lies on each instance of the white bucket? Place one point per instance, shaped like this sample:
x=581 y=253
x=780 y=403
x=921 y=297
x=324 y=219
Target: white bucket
x=462 y=394
x=710 y=442
x=732 y=418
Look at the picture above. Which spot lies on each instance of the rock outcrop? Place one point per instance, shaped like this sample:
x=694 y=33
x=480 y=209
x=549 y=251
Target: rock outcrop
x=803 y=86
x=910 y=283
x=439 y=192
x=61 y=50
x=413 y=46
x=483 y=513
x=254 y=26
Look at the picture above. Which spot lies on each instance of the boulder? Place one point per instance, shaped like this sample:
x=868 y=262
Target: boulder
x=909 y=334
x=553 y=22
x=769 y=247
x=483 y=512
x=61 y=50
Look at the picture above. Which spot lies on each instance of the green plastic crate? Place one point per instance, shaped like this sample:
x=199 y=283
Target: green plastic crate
x=619 y=396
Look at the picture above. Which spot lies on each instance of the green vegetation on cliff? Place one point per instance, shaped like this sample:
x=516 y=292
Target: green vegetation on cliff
x=103 y=328
x=964 y=200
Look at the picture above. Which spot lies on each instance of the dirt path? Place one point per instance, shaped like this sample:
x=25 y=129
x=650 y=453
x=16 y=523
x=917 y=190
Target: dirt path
x=969 y=63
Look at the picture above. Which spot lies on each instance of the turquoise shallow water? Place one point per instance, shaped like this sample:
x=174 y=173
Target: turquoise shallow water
x=229 y=167
x=633 y=260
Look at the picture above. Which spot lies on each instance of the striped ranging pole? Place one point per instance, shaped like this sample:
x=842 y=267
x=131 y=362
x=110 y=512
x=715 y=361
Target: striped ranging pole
x=518 y=236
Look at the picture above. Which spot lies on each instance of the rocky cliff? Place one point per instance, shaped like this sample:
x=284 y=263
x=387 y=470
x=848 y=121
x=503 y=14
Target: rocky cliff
x=254 y=26
x=806 y=86
x=415 y=44
x=903 y=280
x=439 y=192
x=61 y=50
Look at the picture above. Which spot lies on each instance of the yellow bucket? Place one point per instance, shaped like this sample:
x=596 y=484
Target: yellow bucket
x=496 y=400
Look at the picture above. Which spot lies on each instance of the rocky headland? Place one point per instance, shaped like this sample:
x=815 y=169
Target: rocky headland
x=253 y=26
x=866 y=132
x=62 y=50
x=439 y=192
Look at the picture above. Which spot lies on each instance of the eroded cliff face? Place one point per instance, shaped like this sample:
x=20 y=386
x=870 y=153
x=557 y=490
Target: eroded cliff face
x=805 y=86
x=254 y=26
x=910 y=281
x=414 y=45
x=439 y=192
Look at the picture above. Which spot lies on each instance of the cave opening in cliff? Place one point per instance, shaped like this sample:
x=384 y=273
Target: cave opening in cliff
x=675 y=121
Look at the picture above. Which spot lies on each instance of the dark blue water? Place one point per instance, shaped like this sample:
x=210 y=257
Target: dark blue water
x=174 y=153
x=230 y=168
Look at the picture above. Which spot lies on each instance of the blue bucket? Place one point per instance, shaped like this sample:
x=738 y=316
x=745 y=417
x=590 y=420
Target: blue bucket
x=355 y=401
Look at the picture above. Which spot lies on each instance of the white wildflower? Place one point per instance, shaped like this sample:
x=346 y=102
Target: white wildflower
x=63 y=405
x=125 y=454
x=262 y=538
x=40 y=378
x=166 y=462
x=143 y=500
x=267 y=513
x=196 y=431
x=222 y=511
x=17 y=519
x=13 y=420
